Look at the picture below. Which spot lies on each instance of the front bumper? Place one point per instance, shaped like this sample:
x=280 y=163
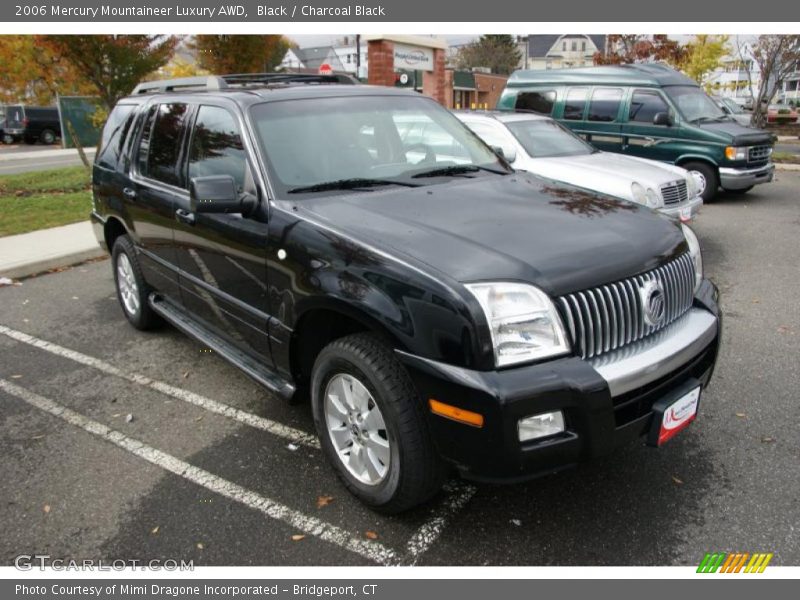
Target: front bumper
x=606 y=402
x=685 y=211
x=739 y=179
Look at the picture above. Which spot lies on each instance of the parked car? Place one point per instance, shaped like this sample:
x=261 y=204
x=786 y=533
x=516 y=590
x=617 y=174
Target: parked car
x=5 y=137
x=650 y=111
x=781 y=114
x=437 y=313
x=734 y=110
x=542 y=146
x=33 y=123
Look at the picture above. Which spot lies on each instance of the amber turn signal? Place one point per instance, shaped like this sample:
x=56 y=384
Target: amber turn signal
x=456 y=414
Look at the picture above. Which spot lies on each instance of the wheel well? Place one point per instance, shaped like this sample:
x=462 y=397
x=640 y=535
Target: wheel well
x=112 y=230
x=691 y=159
x=315 y=330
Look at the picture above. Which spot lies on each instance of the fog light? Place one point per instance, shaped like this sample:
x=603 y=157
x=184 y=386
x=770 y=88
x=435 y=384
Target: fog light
x=539 y=426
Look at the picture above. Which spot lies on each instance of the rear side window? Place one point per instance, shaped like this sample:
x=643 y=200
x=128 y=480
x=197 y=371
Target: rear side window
x=216 y=147
x=114 y=133
x=645 y=106
x=161 y=145
x=540 y=102
x=575 y=103
x=604 y=106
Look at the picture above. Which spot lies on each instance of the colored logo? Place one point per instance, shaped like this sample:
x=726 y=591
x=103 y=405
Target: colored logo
x=734 y=562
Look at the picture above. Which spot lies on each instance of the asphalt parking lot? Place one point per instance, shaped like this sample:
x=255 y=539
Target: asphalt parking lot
x=118 y=444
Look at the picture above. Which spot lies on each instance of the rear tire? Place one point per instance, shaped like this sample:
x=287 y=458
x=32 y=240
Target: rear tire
x=132 y=290
x=372 y=425
x=709 y=174
x=8 y=139
x=48 y=137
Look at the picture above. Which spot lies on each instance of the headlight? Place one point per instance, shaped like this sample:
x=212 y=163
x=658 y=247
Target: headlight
x=736 y=153
x=523 y=321
x=638 y=193
x=653 y=198
x=697 y=256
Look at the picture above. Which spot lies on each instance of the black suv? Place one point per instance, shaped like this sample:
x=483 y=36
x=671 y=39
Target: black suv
x=32 y=124
x=360 y=245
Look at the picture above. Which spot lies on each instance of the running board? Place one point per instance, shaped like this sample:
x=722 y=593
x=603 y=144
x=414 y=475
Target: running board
x=249 y=365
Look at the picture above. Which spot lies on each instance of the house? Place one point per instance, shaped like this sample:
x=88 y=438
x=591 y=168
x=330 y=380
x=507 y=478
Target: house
x=562 y=51
x=341 y=58
x=731 y=78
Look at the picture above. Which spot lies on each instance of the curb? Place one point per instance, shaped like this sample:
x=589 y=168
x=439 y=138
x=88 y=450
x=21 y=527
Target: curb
x=54 y=262
x=69 y=152
x=786 y=167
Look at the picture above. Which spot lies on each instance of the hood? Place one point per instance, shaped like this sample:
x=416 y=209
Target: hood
x=517 y=227
x=731 y=132
x=591 y=169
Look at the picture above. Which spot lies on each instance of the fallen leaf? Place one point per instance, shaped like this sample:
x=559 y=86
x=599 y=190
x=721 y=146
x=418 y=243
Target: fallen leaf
x=16 y=376
x=200 y=418
x=767 y=440
x=756 y=301
x=200 y=546
x=516 y=522
x=186 y=375
x=75 y=298
x=46 y=509
x=784 y=329
x=117 y=415
x=677 y=480
x=154 y=530
x=741 y=415
x=371 y=535
x=37 y=437
x=129 y=418
x=292 y=447
x=324 y=501
x=297 y=537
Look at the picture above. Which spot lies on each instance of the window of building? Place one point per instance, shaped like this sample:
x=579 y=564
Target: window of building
x=541 y=102
x=216 y=147
x=583 y=46
x=564 y=45
x=574 y=45
x=605 y=103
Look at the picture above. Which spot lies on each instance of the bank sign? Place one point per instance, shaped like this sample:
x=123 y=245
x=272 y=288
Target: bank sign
x=415 y=58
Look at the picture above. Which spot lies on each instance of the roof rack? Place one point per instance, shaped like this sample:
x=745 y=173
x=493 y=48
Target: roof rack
x=237 y=80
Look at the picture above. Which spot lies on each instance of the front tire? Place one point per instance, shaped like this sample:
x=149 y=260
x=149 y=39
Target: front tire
x=371 y=424
x=132 y=290
x=708 y=174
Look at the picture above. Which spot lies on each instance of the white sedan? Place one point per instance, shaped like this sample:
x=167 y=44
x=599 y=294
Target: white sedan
x=542 y=146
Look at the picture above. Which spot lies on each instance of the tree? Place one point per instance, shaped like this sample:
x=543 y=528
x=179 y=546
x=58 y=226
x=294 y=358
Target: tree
x=35 y=75
x=179 y=67
x=635 y=48
x=497 y=52
x=703 y=55
x=221 y=54
x=777 y=57
x=112 y=64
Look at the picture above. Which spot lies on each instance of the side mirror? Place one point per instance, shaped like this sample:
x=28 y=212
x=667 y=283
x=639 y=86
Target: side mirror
x=217 y=194
x=509 y=154
x=662 y=118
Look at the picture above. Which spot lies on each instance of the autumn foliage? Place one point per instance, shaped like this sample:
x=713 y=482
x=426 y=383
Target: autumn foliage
x=225 y=54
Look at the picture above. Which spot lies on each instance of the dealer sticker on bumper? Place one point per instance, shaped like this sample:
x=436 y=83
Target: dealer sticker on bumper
x=669 y=419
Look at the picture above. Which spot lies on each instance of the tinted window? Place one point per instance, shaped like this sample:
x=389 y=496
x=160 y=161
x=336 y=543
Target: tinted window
x=15 y=115
x=117 y=126
x=165 y=144
x=144 y=141
x=605 y=104
x=42 y=114
x=574 y=104
x=216 y=146
x=543 y=138
x=540 y=102
x=645 y=106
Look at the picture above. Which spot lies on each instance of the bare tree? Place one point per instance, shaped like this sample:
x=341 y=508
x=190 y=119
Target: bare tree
x=777 y=57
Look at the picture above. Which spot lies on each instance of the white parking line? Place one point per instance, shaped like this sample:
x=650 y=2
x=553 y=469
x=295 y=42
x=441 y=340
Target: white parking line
x=369 y=549
x=294 y=435
x=457 y=494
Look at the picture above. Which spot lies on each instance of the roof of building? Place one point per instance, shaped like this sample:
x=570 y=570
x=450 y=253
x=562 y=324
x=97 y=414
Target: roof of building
x=539 y=45
x=652 y=74
x=315 y=56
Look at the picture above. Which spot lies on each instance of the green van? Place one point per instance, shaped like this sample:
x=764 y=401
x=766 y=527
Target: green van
x=650 y=111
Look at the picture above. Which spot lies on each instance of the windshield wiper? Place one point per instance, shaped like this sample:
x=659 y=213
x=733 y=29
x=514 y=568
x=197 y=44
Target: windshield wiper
x=456 y=170
x=349 y=184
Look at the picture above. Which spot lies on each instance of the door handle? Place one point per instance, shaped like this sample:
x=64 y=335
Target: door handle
x=184 y=216
x=129 y=193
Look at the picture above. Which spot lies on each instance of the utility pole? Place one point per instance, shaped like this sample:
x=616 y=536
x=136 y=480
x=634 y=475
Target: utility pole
x=358 y=55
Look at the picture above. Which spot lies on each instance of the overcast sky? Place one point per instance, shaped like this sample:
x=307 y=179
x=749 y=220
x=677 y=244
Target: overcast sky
x=306 y=41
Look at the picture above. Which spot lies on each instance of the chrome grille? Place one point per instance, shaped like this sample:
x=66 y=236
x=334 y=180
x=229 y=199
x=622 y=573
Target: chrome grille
x=611 y=316
x=674 y=192
x=758 y=153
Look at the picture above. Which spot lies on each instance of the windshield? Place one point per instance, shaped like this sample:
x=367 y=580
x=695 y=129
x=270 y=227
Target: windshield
x=357 y=142
x=694 y=104
x=732 y=106
x=547 y=138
